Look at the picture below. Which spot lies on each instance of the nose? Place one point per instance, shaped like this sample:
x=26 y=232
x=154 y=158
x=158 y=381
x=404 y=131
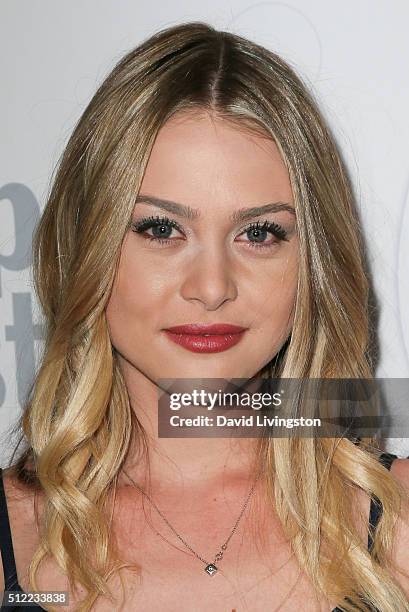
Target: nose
x=209 y=280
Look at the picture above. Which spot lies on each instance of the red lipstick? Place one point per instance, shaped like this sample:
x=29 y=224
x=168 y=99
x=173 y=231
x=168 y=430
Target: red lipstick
x=202 y=338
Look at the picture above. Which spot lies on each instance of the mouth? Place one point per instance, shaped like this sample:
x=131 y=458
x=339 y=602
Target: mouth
x=200 y=338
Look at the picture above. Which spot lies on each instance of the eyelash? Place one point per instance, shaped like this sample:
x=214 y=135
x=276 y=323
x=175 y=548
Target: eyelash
x=141 y=226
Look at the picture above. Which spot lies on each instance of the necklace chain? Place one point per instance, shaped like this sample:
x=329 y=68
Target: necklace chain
x=210 y=568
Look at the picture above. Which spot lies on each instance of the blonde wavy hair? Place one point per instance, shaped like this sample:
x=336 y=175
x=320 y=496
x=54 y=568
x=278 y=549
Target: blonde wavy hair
x=77 y=423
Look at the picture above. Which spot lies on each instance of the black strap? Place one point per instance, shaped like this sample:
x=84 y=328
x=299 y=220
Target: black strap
x=7 y=555
x=6 y=543
x=375 y=511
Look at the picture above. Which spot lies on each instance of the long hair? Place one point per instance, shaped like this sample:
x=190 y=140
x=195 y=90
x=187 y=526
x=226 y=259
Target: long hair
x=77 y=422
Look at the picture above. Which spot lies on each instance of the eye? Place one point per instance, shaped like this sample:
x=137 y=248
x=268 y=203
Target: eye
x=161 y=227
x=260 y=231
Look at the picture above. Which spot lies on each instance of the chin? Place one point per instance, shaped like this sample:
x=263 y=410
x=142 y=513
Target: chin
x=207 y=372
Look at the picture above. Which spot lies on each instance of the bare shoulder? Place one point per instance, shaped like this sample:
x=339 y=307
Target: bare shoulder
x=16 y=492
x=400 y=551
x=400 y=468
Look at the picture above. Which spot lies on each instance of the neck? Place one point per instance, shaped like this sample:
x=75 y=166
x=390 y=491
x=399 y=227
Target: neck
x=176 y=462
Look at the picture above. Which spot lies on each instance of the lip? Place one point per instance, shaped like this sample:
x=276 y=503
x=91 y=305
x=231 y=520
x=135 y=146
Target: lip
x=203 y=328
x=200 y=338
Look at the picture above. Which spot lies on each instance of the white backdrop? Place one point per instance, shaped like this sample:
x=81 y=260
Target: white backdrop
x=53 y=55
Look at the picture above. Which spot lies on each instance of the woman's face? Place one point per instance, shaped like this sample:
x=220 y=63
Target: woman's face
x=210 y=266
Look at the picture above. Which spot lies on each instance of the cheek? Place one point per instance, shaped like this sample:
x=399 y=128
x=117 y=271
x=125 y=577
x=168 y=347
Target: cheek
x=273 y=301
x=138 y=295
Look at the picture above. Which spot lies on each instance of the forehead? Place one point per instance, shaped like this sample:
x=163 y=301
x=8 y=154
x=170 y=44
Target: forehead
x=199 y=160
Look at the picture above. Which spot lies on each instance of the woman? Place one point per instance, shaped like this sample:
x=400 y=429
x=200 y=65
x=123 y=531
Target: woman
x=201 y=186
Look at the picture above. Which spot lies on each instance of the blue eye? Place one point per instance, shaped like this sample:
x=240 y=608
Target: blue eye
x=259 y=232
x=162 y=228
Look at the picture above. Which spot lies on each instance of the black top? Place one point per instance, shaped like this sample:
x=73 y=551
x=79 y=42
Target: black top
x=9 y=564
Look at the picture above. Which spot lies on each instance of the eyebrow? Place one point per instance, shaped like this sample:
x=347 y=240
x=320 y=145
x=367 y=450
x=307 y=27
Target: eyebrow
x=192 y=213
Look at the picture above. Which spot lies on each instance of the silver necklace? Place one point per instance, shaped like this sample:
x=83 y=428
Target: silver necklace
x=210 y=568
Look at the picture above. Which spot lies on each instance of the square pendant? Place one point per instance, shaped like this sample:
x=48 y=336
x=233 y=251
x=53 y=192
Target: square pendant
x=211 y=569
